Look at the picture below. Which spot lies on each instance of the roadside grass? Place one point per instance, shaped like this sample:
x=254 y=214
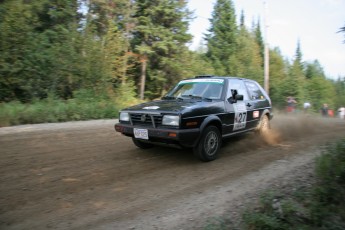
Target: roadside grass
x=320 y=206
x=57 y=110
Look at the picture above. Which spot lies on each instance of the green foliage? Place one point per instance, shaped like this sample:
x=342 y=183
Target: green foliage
x=278 y=77
x=53 y=49
x=84 y=106
x=249 y=60
x=339 y=90
x=319 y=207
x=125 y=95
x=222 y=38
x=328 y=208
x=159 y=39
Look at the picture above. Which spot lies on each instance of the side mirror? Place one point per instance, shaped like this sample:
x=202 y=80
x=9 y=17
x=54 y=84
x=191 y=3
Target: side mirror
x=239 y=97
x=235 y=96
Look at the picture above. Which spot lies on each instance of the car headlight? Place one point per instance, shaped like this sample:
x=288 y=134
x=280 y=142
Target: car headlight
x=124 y=116
x=172 y=120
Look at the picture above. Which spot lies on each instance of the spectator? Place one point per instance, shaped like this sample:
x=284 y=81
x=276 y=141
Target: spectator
x=324 y=110
x=341 y=113
x=306 y=106
x=291 y=104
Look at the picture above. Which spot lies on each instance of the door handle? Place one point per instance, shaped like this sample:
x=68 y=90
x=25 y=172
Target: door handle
x=248 y=104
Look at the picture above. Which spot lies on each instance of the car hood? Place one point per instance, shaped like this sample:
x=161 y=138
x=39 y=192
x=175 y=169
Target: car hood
x=184 y=107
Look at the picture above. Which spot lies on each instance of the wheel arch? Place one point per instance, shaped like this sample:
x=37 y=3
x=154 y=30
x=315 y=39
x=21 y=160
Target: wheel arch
x=268 y=113
x=211 y=120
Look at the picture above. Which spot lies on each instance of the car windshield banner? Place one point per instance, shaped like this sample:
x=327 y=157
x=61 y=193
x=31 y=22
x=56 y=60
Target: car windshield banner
x=190 y=81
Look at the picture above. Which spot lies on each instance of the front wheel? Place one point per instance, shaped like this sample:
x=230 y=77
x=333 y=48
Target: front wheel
x=209 y=144
x=141 y=144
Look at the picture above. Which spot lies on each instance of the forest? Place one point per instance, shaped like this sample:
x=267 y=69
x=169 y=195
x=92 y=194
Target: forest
x=86 y=59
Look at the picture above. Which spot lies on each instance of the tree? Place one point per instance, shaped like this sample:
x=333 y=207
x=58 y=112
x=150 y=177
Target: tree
x=39 y=48
x=159 y=37
x=314 y=70
x=259 y=39
x=248 y=60
x=279 y=89
x=295 y=82
x=16 y=26
x=340 y=92
x=222 y=38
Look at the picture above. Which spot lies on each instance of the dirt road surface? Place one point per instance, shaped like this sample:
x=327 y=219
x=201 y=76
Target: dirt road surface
x=83 y=175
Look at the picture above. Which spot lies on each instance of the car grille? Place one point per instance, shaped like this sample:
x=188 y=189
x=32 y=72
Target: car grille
x=150 y=120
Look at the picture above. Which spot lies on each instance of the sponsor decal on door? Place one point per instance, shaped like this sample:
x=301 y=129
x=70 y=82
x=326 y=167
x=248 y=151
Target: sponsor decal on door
x=240 y=116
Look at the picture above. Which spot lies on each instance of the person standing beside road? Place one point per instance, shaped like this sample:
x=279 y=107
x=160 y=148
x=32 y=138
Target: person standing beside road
x=341 y=112
x=324 y=110
x=306 y=106
x=291 y=104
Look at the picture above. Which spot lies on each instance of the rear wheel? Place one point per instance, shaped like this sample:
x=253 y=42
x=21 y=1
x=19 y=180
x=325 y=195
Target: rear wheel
x=209 y=144
x=264 y=125
x=141 y=144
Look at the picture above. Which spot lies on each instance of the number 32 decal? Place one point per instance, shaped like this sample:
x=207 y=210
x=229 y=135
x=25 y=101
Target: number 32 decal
x=240 y=116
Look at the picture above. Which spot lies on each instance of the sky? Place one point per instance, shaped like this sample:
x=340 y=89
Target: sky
x=314 y=23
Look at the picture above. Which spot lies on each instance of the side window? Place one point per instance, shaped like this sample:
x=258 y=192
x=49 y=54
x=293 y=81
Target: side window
x=254 y=91
x=239 y=86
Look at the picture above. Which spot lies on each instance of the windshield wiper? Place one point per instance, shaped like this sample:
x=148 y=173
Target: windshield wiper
x=172 y=98
x=197 y=97
x=168 y=98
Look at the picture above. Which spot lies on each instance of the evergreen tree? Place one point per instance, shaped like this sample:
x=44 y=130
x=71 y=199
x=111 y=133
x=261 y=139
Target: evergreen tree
x=295 y=83
x=39 y=48
x=222 y=38
x=340 y=92
x=248 y=60
x=298 y=57
x=159 y=38
x=314 y=70
x=259 y=39
x=321 y=91
x=16 y=25
x=279 y=90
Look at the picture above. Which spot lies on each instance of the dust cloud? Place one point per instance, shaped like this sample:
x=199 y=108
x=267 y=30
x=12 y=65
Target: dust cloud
x=289 y=127
x=285 y=128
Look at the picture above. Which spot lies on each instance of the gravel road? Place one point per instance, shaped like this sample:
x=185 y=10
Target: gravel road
x=83 y=175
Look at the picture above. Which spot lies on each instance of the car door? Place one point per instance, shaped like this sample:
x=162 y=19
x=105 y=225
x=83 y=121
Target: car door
x=257 y=102
x=237 y=115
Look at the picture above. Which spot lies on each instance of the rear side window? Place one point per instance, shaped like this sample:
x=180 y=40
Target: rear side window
x=255 y=92
x=239 y=86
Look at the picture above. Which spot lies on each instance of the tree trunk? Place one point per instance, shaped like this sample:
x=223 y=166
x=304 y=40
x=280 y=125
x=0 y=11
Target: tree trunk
x=143 y=61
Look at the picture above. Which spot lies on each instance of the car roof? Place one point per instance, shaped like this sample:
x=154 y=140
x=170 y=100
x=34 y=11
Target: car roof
x=221 y=77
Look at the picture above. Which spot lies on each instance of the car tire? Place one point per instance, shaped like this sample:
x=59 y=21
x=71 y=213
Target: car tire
x=141 y=144
x=264 y=125
x=209 y=144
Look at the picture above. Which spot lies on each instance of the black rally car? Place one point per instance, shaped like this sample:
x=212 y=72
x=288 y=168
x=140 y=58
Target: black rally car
x=198 y=113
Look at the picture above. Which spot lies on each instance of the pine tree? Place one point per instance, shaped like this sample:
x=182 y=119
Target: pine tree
x=296 y=80
x=279 y=90
x=39 y=46
x=159 y=38
x=248 y=60
x=222 y=38
x=259 y=39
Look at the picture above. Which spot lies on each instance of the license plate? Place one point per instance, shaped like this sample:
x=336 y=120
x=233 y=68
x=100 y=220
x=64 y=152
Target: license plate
x=141 y=133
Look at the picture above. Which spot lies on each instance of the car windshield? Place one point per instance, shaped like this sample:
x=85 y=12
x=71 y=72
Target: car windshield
x=198 y=88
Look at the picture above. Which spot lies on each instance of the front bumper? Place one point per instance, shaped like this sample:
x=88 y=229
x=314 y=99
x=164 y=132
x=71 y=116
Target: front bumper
x=181 y=137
